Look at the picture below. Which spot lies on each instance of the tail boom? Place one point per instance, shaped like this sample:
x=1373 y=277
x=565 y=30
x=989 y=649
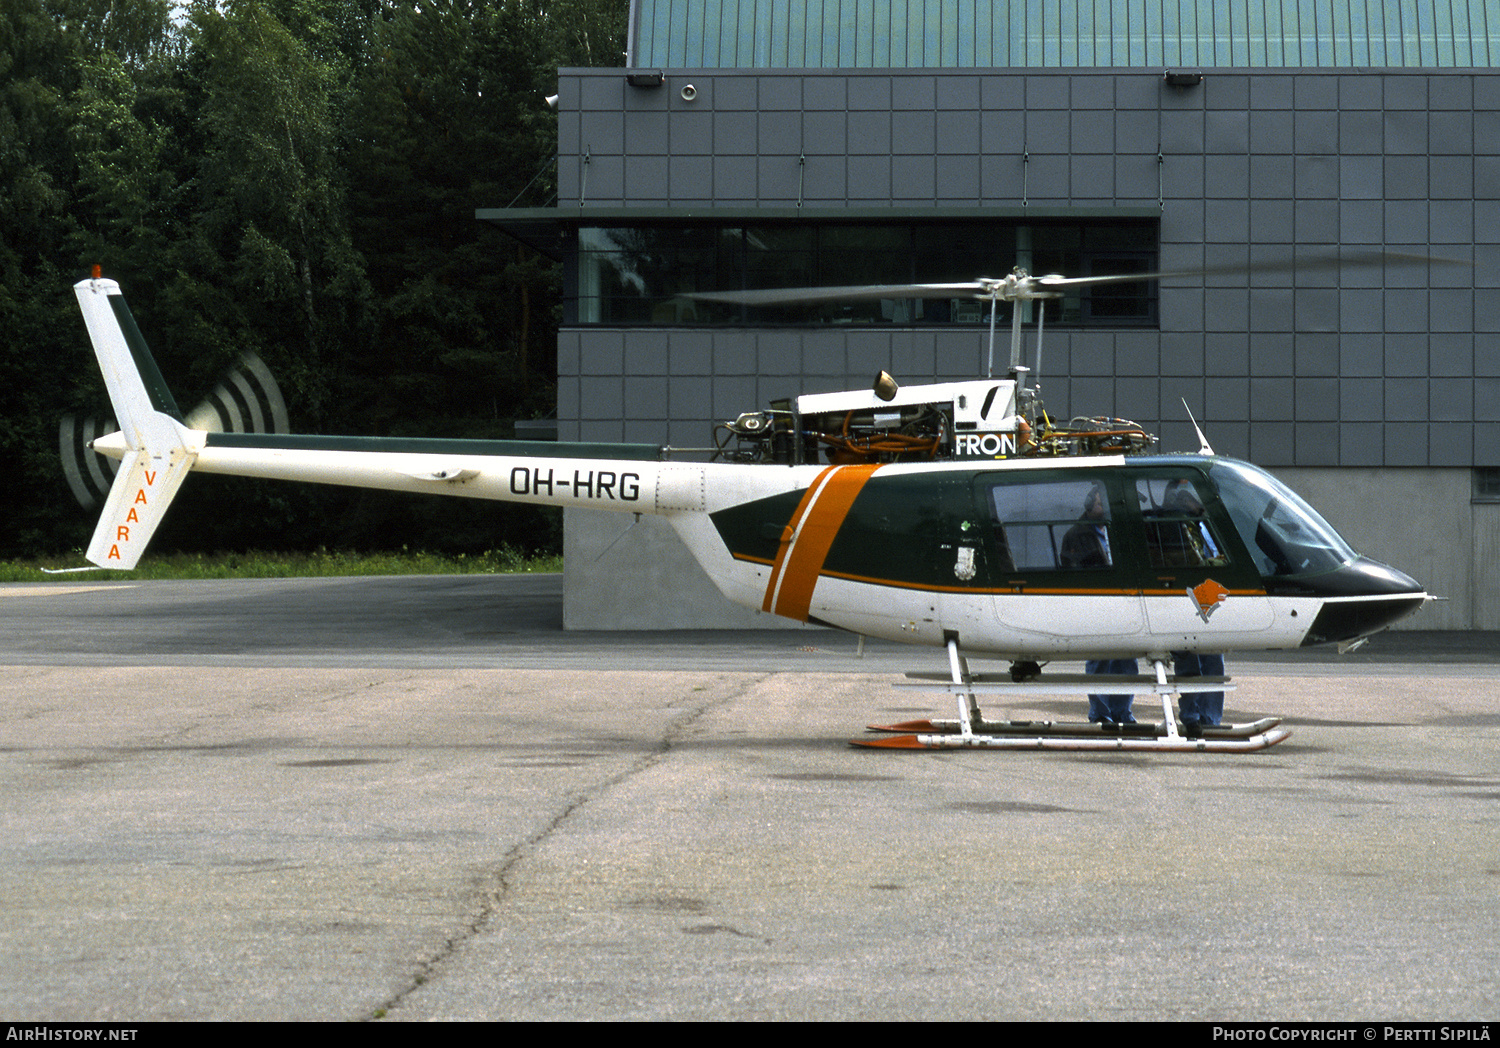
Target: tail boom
x=629 y=478
x=472 y=469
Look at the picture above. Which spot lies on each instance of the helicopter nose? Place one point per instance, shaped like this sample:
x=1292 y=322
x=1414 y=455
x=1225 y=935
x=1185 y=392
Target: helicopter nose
x=1363 y=597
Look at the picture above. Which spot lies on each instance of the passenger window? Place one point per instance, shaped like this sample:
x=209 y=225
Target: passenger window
x=1178 y=534
x=1052 y=526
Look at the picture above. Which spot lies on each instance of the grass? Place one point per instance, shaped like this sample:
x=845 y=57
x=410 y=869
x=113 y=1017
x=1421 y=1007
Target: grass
x=320 y=563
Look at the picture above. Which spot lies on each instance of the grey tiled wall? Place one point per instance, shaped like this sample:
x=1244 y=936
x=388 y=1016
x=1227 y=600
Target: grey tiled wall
x=1390 y=366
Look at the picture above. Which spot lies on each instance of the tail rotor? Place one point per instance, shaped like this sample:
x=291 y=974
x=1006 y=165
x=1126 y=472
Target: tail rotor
x=247 y=400
x=88 y=473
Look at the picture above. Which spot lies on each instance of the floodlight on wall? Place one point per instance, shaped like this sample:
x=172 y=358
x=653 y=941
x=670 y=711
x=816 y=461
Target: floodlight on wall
x=689 y=92
x=653 y=79
x=551 y=101
x=1183 y=79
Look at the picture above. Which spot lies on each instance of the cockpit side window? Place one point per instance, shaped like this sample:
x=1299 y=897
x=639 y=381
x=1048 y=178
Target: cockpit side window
x=1285 y=536
x=1178 y=532
x=1062 y=525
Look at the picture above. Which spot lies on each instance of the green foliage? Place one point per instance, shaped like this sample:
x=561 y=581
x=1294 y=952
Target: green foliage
x=447 y=116
x=316 y=563
x=296 y=177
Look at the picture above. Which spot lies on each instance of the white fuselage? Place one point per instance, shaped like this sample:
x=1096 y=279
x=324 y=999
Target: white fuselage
x=1032 y=624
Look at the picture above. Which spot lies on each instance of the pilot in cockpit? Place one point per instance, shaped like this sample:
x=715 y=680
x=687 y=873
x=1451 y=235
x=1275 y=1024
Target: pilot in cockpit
x=1086 y=545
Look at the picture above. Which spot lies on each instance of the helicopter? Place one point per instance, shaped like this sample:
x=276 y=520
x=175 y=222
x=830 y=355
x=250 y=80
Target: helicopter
x=950 y=515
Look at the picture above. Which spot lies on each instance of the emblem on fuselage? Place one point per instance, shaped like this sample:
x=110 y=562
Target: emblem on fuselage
x=1206 y=597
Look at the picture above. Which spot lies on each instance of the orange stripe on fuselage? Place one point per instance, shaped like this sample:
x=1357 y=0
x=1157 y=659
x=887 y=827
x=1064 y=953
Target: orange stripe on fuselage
x=808 y=538
x=788 y=532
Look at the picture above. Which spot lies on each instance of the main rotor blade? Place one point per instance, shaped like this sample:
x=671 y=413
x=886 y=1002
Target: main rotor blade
x=1024 y=287
x=851 y=293
x=1308 y=263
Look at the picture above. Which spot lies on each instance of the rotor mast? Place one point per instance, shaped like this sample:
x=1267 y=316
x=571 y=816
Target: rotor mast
x=1018 y=286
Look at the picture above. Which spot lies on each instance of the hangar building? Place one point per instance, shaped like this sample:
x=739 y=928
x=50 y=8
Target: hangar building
x=768 y=143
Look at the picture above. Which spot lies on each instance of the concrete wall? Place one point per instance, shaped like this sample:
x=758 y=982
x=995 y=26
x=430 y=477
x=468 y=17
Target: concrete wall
x=643 y=579
x=1421 y=521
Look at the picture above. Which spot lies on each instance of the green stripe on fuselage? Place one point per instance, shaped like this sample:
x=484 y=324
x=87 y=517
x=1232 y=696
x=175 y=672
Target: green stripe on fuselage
x=435 y=446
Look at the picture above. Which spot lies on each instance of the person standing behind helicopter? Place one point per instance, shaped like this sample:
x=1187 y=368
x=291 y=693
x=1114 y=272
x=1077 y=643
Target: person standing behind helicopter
x=1203 y=709
x=1109 y=710
x=1086 y=545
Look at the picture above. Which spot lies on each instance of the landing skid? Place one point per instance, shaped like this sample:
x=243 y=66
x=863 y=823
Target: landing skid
x=1101 y=741
x=1056 y=729
x=972 y=730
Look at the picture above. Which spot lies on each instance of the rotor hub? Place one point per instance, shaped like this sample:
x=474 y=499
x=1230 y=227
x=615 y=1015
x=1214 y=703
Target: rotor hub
x=1017 y=285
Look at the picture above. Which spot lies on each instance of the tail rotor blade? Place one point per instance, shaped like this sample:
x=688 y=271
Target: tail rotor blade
x=96 y=463
x=247 y=401
x=83 y=469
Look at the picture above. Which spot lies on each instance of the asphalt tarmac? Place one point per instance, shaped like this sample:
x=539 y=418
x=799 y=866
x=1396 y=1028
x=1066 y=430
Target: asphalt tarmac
x=419 y=798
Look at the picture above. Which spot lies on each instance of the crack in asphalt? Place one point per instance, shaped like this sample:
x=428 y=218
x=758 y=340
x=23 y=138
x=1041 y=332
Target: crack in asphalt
x=493 y=887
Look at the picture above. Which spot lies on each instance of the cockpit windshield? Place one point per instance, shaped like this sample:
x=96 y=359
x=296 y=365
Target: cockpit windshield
x=1284 y=535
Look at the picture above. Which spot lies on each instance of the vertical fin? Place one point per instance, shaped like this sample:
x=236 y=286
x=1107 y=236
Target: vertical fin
x=156 y=449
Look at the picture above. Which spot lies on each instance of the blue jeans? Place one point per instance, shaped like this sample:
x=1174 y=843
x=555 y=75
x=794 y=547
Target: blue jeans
x=1105 y=709
x=1204 y=707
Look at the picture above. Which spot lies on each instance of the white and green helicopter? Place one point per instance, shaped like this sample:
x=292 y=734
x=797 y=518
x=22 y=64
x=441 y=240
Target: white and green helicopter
x=952 y=515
